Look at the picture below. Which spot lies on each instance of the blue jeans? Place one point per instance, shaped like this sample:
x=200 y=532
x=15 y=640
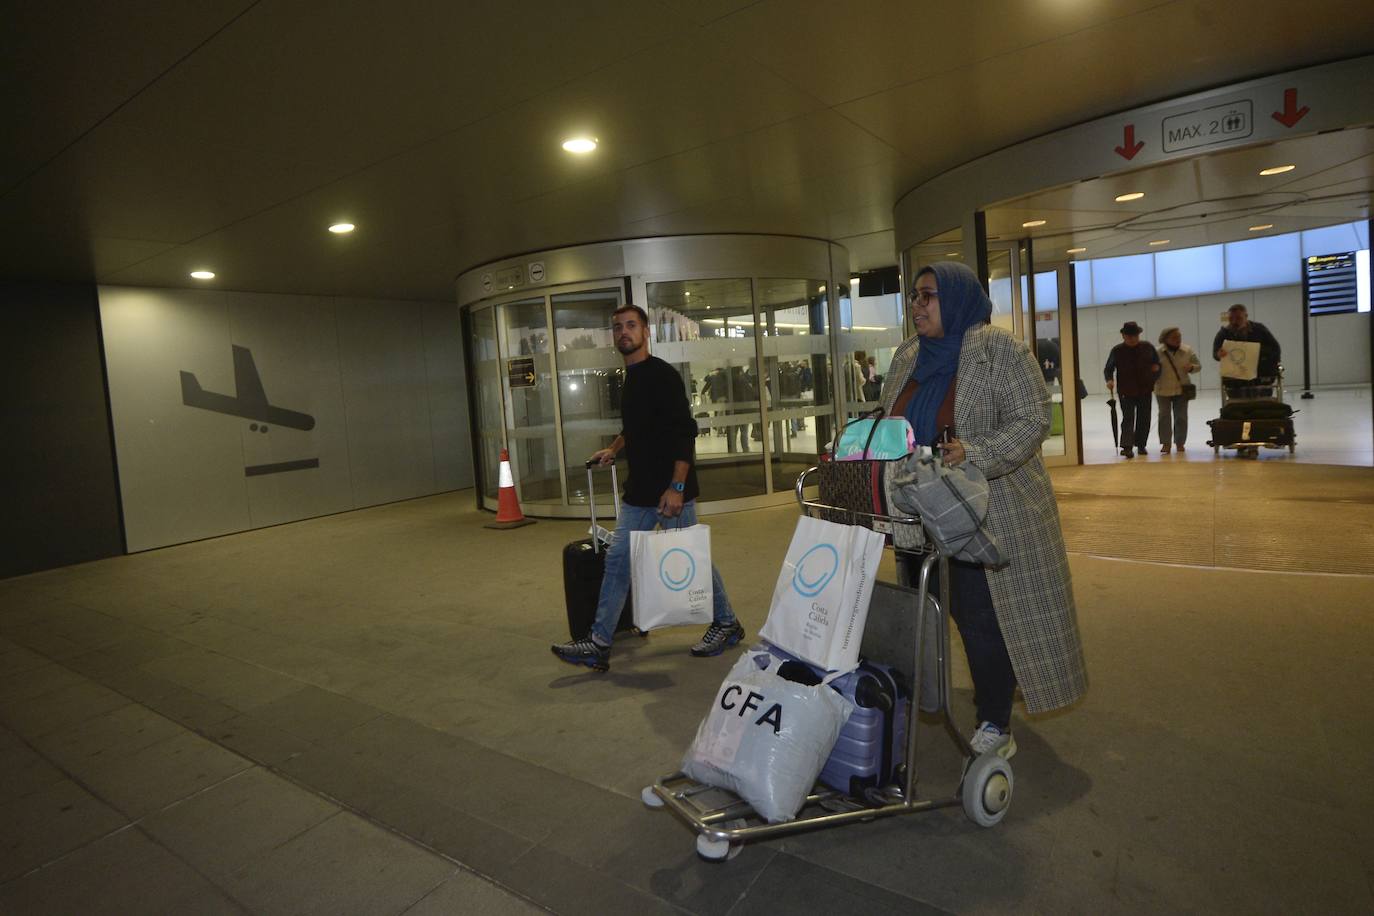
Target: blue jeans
x=616 y=583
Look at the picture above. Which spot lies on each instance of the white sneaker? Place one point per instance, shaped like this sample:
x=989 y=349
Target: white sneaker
x=989 y=737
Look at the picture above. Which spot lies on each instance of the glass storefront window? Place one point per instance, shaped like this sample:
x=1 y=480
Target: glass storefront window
x=529 y=421
x=706 y=329
x=590 y=373
x=796 y=370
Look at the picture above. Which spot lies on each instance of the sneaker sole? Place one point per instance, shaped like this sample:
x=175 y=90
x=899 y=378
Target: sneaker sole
x=582 y=662
x=731 y=641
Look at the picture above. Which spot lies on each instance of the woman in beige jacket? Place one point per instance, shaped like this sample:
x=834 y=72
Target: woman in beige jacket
x=1177 y=362
x=977 y=390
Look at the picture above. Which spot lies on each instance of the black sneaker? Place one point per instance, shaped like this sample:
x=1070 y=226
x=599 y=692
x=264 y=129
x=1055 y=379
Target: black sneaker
x=1127 y=453
x=584 y=651
x=717 y=639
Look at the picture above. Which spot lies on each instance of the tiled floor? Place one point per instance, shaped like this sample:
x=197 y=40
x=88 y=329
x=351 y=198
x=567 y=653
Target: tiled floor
x=360 y=714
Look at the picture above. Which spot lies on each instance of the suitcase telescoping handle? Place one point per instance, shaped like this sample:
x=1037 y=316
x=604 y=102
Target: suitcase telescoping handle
x=592 y=465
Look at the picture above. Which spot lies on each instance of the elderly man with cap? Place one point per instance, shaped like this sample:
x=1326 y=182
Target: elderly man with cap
x=1135 y=369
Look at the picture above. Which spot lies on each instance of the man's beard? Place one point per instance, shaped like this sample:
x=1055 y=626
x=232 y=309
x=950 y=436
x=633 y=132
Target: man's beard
x=626 y=345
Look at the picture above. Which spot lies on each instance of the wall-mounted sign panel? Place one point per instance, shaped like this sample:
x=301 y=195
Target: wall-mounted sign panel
x=1330 y=284
x=520 y=372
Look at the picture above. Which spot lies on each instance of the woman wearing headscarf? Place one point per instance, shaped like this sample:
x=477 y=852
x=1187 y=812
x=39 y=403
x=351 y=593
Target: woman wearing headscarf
x=973 y=391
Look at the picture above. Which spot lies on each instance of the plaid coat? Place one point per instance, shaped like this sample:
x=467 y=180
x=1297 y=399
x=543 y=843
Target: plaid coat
x=1001 y=415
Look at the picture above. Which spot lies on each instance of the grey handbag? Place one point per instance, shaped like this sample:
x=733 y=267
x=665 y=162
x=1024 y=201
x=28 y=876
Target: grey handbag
x=952 y=501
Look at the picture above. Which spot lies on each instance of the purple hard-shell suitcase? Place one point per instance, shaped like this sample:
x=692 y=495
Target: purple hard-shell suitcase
x=872 y=746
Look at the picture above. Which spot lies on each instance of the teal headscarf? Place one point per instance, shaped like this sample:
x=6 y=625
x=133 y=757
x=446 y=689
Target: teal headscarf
x=963 y=304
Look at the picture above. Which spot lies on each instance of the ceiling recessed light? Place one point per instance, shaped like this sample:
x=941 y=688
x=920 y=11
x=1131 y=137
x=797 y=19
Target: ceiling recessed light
x=203 y=274
x=579 y=144
x=687 y=293
x=341 y=228
x=951 y=254
x=1075 y=251
x=1160 y=242
x=1278 y=170
x=1261 y=228
x=1032 y=223
x=1134 y=195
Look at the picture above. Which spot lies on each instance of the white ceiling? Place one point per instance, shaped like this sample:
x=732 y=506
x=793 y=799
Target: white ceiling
x=1203 y=201
x=148 y=139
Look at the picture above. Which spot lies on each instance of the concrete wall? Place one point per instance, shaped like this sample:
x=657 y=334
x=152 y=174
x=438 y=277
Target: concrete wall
x=57 y=464
x=377 y=389
x=1339 y=345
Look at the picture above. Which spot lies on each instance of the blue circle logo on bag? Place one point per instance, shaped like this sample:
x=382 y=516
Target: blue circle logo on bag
x=815 y=569
x=677 y=569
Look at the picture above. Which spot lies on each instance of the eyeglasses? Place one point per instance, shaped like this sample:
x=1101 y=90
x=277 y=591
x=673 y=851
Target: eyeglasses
x=923 y=296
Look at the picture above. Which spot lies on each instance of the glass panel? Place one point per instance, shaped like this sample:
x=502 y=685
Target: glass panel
x=529 y=399
x=1331 y=239
x=1083 y=282
x=590 y=373
x=870 y=331
x=706 y=329
x=1127 y=279
x=1000 y=289
x=1049 y=355
x=486 y=361
x=1273 y=261
x=1190 y=271
x=796 y=369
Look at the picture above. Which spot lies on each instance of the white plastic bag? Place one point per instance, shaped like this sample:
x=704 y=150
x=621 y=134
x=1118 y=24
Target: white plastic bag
x=766 y=738
x=820 y=602
x=670 y=576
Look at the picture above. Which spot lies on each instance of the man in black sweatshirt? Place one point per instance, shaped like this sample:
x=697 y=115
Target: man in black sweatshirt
x=1135 y=368
x=658 y=434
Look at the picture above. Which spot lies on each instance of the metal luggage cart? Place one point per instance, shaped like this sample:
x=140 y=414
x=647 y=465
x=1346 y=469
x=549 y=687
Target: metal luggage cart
x=1247 y=438
x=723 y=822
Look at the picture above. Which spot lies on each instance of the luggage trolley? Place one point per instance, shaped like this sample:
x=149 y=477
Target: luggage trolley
x=723 y=821
x=1253 y=416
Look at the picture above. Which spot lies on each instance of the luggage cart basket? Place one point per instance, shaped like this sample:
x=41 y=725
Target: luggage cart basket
x=723 y=821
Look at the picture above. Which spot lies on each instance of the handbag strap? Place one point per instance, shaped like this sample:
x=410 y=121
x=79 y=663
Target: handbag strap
x=876 y=414
x=1170 y=359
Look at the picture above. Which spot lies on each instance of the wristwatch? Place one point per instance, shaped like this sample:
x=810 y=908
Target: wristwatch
x=679 y=485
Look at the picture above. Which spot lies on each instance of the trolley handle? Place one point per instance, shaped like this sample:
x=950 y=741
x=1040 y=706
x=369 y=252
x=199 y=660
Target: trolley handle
x=592 y=464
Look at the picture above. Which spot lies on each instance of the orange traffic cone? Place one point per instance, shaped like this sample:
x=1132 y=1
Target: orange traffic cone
x=508 y=514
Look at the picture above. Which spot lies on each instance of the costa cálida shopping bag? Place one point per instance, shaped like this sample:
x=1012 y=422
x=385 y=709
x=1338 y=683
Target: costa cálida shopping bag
x=766 y=738
x=670 y=577
x=820 y=602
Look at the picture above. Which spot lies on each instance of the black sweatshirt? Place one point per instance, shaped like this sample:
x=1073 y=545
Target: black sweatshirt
x=659 y=431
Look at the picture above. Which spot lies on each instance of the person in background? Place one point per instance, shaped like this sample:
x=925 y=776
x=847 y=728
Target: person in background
x=1179 y=361
x=1239 y=327
x=1135 y=369
x=658 y=436
x=978 y=394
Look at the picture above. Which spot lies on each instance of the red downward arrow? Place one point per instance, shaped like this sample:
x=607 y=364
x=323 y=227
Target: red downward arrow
x=1129 y=147
x=1291 y=113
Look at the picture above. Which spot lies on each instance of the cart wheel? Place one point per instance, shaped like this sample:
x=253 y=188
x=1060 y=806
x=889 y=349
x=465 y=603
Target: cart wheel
x=716 y=850
x=642 y=634
x=987 y=790
x=1216 y=450
x=651 y=798
x=1292 y=448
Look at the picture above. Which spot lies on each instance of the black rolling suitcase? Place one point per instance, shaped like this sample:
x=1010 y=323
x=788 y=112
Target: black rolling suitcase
x=584 y=564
